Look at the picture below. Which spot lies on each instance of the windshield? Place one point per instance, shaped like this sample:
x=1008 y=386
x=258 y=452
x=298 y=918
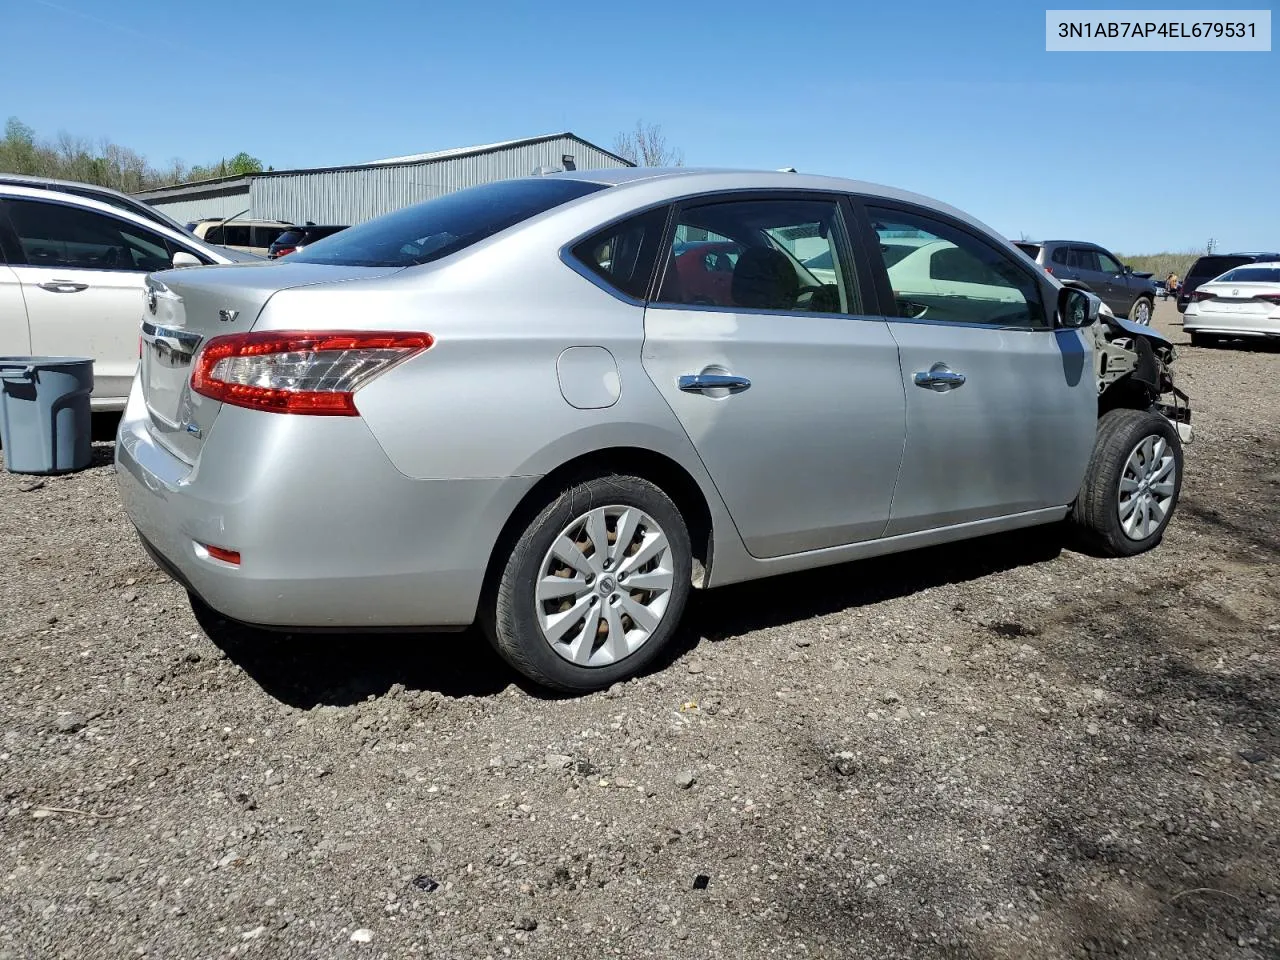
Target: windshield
x=1251 y=275
x=1213 y=266
x=434 y=229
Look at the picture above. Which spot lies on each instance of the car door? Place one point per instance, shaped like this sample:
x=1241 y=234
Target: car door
x=1001 y=408
x=790 y=392
x=1116 y=282
x=1088 y=270
x=15 y=336
x=81 y=273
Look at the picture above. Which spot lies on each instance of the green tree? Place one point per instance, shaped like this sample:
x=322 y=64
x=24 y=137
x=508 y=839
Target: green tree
x=242 y=164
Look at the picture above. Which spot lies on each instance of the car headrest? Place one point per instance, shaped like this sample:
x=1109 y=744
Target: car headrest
x=764 y=279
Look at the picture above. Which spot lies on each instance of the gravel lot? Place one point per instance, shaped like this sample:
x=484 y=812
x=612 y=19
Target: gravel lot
x=1002 y=749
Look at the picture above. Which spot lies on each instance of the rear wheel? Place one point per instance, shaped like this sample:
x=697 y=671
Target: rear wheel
x=595 y=585
x=1141 y=311
x=1131 y=487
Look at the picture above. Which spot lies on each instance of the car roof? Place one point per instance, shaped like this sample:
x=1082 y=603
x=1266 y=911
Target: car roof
x=693 y=180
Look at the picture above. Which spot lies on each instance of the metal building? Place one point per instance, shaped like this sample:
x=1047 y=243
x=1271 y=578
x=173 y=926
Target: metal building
x=360 y=192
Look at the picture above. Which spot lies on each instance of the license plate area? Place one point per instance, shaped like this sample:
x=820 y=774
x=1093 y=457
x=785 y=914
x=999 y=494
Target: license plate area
x=167 y=353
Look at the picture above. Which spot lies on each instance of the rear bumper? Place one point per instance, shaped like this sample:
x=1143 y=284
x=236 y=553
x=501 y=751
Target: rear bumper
x=1232 y=324
x=330 y=534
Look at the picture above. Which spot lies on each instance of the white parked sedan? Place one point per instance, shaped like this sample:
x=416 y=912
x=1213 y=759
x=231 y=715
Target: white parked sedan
x=72 y=272
x=1243 y=302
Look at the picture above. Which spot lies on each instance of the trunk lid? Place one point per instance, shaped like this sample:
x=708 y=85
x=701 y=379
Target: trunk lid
x=1238 y=297
x=183 y=308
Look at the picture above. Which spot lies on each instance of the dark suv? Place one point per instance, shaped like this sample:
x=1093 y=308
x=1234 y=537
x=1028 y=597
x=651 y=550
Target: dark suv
x=1128 y=294
x=1214 y=265
x=296 y=238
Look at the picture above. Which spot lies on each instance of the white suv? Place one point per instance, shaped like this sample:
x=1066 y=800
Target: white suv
x=71 y=279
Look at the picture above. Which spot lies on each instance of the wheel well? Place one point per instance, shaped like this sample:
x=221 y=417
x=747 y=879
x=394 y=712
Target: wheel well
x=657 y=468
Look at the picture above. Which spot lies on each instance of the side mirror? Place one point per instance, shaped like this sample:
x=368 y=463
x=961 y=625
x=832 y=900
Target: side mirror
x=1128 y=269
x=1077 y=308
x=184 y=259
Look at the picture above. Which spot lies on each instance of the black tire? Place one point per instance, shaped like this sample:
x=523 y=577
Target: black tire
x=510 y=615
x=1095 y=515
x=1203 y=339
x=1151 y=309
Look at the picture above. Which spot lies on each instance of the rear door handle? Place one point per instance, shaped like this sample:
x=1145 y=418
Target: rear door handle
x=63 y=286
x=939 y=377
x=701 y=382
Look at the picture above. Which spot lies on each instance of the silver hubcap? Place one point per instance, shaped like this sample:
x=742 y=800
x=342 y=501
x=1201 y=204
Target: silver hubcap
x=1143 y=312
x=604 y=586
x=1146 y=487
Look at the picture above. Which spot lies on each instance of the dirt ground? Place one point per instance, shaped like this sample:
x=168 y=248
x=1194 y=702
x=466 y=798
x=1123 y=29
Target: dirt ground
x=1001 y=749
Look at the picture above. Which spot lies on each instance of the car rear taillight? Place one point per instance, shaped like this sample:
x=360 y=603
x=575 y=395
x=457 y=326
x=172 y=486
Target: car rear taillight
x=1268 y=297
x=1048 y=270
x=298 y=371
x=284 y=251
x=1201 y=295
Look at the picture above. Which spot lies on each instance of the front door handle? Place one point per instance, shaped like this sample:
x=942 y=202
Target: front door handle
x=63 y=286
x=940 y=378
x=701 y=382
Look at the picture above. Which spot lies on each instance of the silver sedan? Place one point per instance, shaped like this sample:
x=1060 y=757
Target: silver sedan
x=556 y=404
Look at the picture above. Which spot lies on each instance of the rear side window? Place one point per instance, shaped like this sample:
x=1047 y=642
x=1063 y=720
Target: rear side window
x=437 y=228
x=623 y=254
x=266 y=236
x=760 y=255
x=1060 y=255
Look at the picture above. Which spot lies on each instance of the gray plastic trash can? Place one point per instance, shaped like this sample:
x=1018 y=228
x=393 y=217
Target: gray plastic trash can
x=45 y=426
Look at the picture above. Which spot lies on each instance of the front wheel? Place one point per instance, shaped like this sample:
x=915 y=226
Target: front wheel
x=1141 y=311
x=595 y=585
x=1132 y=485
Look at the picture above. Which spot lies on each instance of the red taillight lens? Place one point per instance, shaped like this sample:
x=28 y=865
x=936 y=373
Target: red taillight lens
x=284 y=252
x=1048 y=270
x=1269 y=297
x=295 y=371
x=223 y=554
x=1201 y=295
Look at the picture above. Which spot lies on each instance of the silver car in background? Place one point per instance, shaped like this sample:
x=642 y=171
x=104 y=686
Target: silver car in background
x=506 y=405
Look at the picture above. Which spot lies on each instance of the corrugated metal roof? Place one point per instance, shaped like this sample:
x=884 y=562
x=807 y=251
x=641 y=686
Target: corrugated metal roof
x=178 y=190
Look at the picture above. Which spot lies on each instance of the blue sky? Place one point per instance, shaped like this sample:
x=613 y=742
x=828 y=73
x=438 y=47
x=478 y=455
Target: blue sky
x=1138 y=151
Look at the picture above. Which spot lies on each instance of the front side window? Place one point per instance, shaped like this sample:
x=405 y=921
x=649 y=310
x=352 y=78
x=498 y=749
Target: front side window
x=623 y=254
x=1108 y=264
x=778 y=255
x=952 y=276
x=437 y=228
x=56 y=235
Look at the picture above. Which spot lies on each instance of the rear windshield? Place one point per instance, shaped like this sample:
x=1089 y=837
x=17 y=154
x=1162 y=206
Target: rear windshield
x=437 y=228
x=1252 y=275
x=289 y=238
x=1207 y=267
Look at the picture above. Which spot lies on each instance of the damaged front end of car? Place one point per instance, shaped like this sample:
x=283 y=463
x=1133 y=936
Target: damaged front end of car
x=1133 y=367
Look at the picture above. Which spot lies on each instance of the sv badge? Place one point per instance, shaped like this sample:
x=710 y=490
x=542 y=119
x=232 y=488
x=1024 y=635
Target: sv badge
x=228 y=316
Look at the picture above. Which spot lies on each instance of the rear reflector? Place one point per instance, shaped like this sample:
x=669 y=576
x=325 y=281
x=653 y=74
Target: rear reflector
x=298 y=371
x=223 y=554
